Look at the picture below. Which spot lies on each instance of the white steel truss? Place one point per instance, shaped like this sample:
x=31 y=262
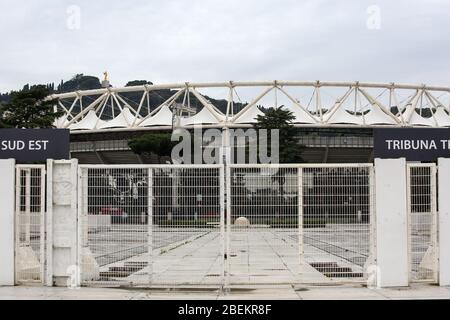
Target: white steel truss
x=314 y=104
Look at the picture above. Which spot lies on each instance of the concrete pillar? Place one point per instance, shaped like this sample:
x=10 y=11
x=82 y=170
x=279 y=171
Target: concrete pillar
x=444 y=221
x=391 y=223
x=62 y=222
x=7 y=174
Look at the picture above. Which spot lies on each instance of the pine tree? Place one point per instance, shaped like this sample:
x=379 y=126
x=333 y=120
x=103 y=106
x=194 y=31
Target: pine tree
x=281 y=119
x=28 y=109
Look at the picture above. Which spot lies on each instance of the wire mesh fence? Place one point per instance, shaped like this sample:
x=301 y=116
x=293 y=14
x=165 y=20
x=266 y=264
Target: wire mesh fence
x=167 y=225
x=263 y=225
x=299 y=223
x=188 y=226
x=422 y=229
x=30 y=224
x=337 y=210
x=152 y=225
x=203 y=225
x=114 y=218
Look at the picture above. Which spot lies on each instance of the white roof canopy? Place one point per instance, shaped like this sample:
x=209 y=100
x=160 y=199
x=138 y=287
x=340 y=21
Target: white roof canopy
x=61 y=122
x=442 y=118
x=301 y=116
x=90 y=122
x=205 y=116
x=249 y=116
x=162 y=118
x=377 y=116
x=418 y=120
x=342 y=116
x=341 y=104
x=123 y=120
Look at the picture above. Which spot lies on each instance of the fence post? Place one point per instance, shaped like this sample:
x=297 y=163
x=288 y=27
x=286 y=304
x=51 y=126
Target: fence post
x=391 y=223
x=7 y=174
x=227 y=225
x=150 y=225
x=62 y=221
x=444 y=221
x=301 y=250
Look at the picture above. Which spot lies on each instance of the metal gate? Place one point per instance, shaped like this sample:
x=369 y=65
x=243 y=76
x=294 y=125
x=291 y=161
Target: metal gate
x=422 y=222
x=30 y=224
x=263 y=224
x=151 y=225
x=299 y=223
x=166 y=224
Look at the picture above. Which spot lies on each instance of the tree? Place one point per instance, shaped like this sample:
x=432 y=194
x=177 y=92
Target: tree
x=289 y=148
x=159 y=144
x=29 y=109
x=80 y=82
x=281 y=119
x=2 y=124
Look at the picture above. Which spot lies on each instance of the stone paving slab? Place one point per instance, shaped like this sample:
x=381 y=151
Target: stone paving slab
x=416 y=291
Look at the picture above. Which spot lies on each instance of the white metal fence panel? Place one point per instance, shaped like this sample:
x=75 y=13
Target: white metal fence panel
x=166 y=224
x=152 y=225
x=299 y=223
x=188 y=225
x=422 y=226
x=30 y=224
x=113 y=213
x=338 y=222
x=262 y=225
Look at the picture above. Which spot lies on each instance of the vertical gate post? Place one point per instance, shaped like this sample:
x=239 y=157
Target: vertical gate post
x=444 y=221
x=7 y=174
x=228 y=225
x=391 y=222
x=150 y=225
x=222 y=220
x=300 y=218
x=62 y=224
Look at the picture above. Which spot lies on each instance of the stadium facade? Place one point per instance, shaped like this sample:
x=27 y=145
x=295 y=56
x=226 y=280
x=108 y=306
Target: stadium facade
x=335 y=119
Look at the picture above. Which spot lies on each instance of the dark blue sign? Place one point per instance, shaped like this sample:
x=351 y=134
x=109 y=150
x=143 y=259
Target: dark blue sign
x=34 y=144
x=414 y=144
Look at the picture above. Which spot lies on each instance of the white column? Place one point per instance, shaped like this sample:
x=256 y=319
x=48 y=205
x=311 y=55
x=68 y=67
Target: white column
x=444 y=221
x=62 y=227
x=391 y=223
x=7 y=174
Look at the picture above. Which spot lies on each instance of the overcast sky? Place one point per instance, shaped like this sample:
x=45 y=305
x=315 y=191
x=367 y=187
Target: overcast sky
x=209 y=40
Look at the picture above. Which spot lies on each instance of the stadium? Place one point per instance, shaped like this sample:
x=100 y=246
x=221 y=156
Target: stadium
x=335 y=119
x=137 y=222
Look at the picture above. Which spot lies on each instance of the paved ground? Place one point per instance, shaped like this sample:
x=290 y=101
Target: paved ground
x=120 y=242
x=257 y=255
x=418 y=291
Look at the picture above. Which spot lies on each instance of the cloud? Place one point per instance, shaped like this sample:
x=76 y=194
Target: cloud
x=210 y=40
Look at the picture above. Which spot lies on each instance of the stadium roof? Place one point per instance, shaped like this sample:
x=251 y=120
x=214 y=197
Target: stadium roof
x=316 y=104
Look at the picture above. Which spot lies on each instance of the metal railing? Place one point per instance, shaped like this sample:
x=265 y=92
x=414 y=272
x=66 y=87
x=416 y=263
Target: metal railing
x=173 y=225
x=299 y=223
x=30 y=224
x=422 y=222
x=151 y=225
x=202 y=225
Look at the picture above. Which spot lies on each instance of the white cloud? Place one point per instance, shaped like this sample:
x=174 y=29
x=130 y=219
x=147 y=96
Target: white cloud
x=211 y=40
